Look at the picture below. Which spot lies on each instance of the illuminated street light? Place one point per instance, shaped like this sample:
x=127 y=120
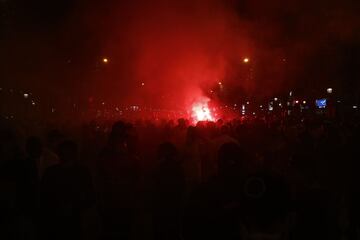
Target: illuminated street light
x=304 y=102
x=329 y=90
x=246 y=60
x=142 y=84
x=105 y=60
x=26 y=95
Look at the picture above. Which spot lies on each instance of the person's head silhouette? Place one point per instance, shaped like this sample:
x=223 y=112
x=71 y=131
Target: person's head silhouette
x=230 y=160
x=34 y=147
x=68 y=151
x=266 y=205
x=167 y=152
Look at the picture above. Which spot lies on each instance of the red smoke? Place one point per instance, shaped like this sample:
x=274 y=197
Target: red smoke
x=170 y=52
x=178 y=49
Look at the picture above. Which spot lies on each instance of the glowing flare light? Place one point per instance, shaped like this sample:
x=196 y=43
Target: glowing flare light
x=201 y=112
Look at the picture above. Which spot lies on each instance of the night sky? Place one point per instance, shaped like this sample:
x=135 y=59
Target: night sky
x=157 y=48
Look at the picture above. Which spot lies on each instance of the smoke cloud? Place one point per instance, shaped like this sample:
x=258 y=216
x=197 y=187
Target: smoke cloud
x=168 y=53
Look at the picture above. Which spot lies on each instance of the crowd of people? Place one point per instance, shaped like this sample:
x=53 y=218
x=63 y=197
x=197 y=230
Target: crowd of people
x=268 y=178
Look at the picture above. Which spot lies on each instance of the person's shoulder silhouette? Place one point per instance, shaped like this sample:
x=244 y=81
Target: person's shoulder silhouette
x=212 y=210
x=29 y=176
x=66 y=193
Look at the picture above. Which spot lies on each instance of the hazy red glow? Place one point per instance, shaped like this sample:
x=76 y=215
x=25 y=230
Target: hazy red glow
x=167 y=54
x=178 y=49
x=201 y=111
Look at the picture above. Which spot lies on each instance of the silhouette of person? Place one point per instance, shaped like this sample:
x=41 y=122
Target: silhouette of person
x=66 y=193
x=168 y=193
x=10 y=170
x=118 y=176
x=49 y=156
x=28 y=182
x=265 y=211
x=34 y=149
x=212 y=212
